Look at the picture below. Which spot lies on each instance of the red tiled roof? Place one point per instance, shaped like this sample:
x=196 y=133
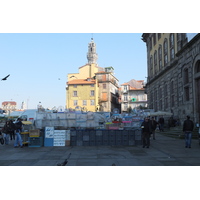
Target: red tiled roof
x=81 y=81
x=9 y=102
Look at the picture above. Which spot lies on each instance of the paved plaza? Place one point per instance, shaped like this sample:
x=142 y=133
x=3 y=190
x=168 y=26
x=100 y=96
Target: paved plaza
x=164 y=151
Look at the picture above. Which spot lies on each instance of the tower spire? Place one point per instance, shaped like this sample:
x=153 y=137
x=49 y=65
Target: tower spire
x=92 y=55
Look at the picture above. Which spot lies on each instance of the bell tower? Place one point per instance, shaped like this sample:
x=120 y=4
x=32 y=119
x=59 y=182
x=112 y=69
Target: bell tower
x=92 y=55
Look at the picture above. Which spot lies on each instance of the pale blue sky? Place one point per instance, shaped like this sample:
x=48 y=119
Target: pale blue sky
x=36 y=62
x=58 y=33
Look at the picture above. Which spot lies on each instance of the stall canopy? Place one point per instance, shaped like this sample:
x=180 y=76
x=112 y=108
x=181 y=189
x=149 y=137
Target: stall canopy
x=160 y=113
x=26 y=122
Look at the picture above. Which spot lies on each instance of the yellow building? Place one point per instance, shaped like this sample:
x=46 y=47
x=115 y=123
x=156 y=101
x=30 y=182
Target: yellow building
x=93 y=88
x=82 y=94
x=82 y=88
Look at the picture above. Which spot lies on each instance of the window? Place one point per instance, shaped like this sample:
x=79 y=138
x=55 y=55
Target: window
x=150 y=43
x=155 y=100
x=166 y=95
x=75 y=102
x=159 y=36
x=154 y=39
x=151 y=100
x=151 y=66
x=84 y=102
x=92 y=93
x=75 y=94
x=198 y=67
x=165 y=52
x=172 y=46
x=160 y=57
x=125 y=88
x=125 y=98
x=160 y=98
x=75 y=86
x=187 y=93
x=166 y=102
x=92 y=85
x=186 y=84
x=186 y=76
x=172 y=93
x=125 y=106
x=172 y=87
x=104 y=86
x=178 y=41
x=172 y=101
x=92 y=102
x=155 y=61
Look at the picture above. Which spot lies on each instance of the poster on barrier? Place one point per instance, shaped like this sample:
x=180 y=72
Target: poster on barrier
x=49 y=132
x=59 y=138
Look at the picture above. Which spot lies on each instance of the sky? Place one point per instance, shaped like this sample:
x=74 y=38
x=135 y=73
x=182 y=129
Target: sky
x=38 y=63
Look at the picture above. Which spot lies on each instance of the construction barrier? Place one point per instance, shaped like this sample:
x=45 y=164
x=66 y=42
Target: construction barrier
x=105 y=137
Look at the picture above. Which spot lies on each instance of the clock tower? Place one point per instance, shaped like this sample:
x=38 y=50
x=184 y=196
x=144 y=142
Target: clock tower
x=92 y=55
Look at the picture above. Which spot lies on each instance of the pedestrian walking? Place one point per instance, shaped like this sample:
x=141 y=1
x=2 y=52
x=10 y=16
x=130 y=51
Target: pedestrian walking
x=154 y=124
x=18 y=139
x=6 y=132
x=146 y=130
x=161 y=123
x=188 y=127
x=12 y=130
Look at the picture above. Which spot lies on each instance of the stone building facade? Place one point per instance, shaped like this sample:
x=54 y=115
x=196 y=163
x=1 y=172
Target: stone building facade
x=175 y=87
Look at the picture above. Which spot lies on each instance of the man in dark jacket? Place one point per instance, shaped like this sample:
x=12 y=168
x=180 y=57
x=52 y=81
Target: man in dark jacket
x=188 y=127
x=146 y=130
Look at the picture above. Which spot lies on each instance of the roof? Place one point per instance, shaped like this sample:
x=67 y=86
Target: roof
x=9 y=102
x=102 y=72
x=81 y=81
x=133 y=88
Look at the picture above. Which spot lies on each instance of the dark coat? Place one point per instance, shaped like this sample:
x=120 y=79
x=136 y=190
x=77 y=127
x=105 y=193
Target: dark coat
x=147 y=127
x=188 y=125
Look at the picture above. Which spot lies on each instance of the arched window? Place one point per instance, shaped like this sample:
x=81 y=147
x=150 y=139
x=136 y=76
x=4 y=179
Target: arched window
x=172 y=93
x=172 y=46
x=155 y=62
x=198 y=67
x=160 y=57
x=165 y=52
x=186 y=84
x=186 y=76
x=151 y=66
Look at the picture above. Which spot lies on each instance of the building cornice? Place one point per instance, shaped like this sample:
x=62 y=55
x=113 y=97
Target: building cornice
x=189 y=44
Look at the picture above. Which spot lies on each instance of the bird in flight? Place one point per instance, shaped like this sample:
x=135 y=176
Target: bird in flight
x=5 y=78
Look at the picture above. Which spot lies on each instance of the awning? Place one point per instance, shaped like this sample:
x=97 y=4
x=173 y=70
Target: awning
x=26 y=122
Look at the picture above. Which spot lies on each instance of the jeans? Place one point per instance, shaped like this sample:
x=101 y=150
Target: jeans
x=18 y=139
x=188 y=138
x=6 y=138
